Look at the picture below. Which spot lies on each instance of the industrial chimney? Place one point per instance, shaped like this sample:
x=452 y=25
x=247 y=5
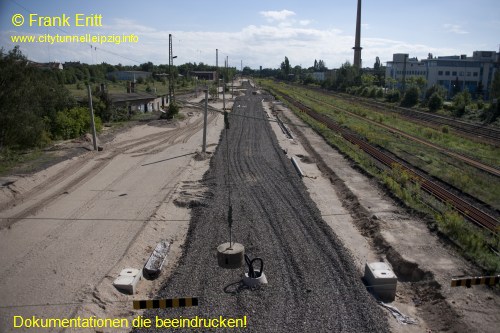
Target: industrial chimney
x=357 y=45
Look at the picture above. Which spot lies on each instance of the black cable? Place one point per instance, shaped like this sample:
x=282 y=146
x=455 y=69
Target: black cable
x=251 y=272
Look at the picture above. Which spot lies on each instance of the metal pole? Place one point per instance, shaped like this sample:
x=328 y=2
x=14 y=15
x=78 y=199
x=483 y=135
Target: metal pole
x=217 y=73
x=92 y=123
x=204 y=148
x=224 y=92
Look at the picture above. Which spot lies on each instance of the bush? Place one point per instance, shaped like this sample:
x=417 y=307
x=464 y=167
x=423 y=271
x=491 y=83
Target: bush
x=435 y=89
x=490 y=114
x=365 y=92
x=173 y=110
x=72 y=123
x=435 y=102
x=373 y=92
x=460 y=102
x=411 y=97
x=379 y=93
x=393 y=96
x=480 y=103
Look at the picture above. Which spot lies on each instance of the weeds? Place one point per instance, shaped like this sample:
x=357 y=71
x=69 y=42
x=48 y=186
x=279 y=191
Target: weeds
x=474 y=243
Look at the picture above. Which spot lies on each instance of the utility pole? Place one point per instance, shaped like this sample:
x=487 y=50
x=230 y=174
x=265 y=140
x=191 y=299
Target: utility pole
x=217 y=72
x=204 y=147
x=92 y=123
x=171 y=95
x=224 y=90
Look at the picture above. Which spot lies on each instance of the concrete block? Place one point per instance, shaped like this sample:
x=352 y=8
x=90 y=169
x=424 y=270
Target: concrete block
x=230 y=256
x=381 y=280
x=127 y=280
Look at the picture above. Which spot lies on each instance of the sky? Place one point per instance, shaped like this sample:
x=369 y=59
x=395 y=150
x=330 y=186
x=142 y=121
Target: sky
x=253 y=33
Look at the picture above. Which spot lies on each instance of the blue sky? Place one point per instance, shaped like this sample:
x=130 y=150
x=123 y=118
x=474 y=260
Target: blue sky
x=260 y=32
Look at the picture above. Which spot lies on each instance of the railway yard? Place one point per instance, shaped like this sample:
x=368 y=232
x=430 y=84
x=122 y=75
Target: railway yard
x=94 y=214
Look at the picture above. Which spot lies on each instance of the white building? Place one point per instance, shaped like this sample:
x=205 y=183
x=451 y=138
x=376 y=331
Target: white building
x=466 y=72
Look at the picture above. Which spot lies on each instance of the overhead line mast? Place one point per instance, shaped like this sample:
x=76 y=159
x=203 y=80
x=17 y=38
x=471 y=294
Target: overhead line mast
x=171 y=83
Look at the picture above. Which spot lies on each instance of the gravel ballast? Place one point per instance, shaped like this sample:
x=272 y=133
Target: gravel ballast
x=313 y=285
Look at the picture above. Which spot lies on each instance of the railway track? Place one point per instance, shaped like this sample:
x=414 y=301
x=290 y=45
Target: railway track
x=466 y=159
x=484 y=133
x=488 y=134
x=466 y=209
x=313 y=275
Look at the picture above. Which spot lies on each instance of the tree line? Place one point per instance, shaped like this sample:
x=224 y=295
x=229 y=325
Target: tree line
x=372 y=83
x=36 y=107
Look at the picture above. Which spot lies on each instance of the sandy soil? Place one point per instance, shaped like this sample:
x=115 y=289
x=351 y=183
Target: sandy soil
x=73 y=227
x=66 y=232
x=423 y=262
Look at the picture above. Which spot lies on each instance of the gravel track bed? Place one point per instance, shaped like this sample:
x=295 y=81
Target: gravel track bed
x=313 y=284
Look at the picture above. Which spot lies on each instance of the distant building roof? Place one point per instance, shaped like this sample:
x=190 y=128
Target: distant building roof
x=205 y=75
x=46 y=65
x=130 y=97
x=128 y=75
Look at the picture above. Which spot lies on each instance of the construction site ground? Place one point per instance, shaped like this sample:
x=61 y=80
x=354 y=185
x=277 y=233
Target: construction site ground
x=74 y=226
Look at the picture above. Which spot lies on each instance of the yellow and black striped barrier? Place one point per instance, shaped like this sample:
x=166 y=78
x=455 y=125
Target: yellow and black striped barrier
x=165 y=303
x=467 y=282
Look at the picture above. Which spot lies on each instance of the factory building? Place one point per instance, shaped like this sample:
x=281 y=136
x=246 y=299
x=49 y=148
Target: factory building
x=451 y=72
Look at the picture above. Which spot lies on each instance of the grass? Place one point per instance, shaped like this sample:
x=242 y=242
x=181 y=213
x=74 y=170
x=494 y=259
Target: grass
x=442 y=137
x=473 y=242
x=464 y=177
x=10 y=159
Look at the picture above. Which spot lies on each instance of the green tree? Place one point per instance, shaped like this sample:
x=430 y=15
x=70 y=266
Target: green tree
x=347 y=76
x=73 y=123
x=435 y=89
x=321 y=66
x=435 y=102
x=367 y=80
x=390 y=82
x=495 y=85
x=29 y=101
x=410 y=97
x=393 y=96
x=285 y=68
x=460 y=103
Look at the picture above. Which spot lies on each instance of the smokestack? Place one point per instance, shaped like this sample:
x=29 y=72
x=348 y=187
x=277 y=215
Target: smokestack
x=357 y=45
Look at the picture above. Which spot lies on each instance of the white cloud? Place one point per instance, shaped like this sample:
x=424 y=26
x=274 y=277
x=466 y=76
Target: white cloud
x=256 y=45
x=277 y=15
x=304 y=22
x=454 y=28
x=129 y=26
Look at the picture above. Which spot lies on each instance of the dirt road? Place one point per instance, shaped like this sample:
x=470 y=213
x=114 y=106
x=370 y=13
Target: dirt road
x=65 y=230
